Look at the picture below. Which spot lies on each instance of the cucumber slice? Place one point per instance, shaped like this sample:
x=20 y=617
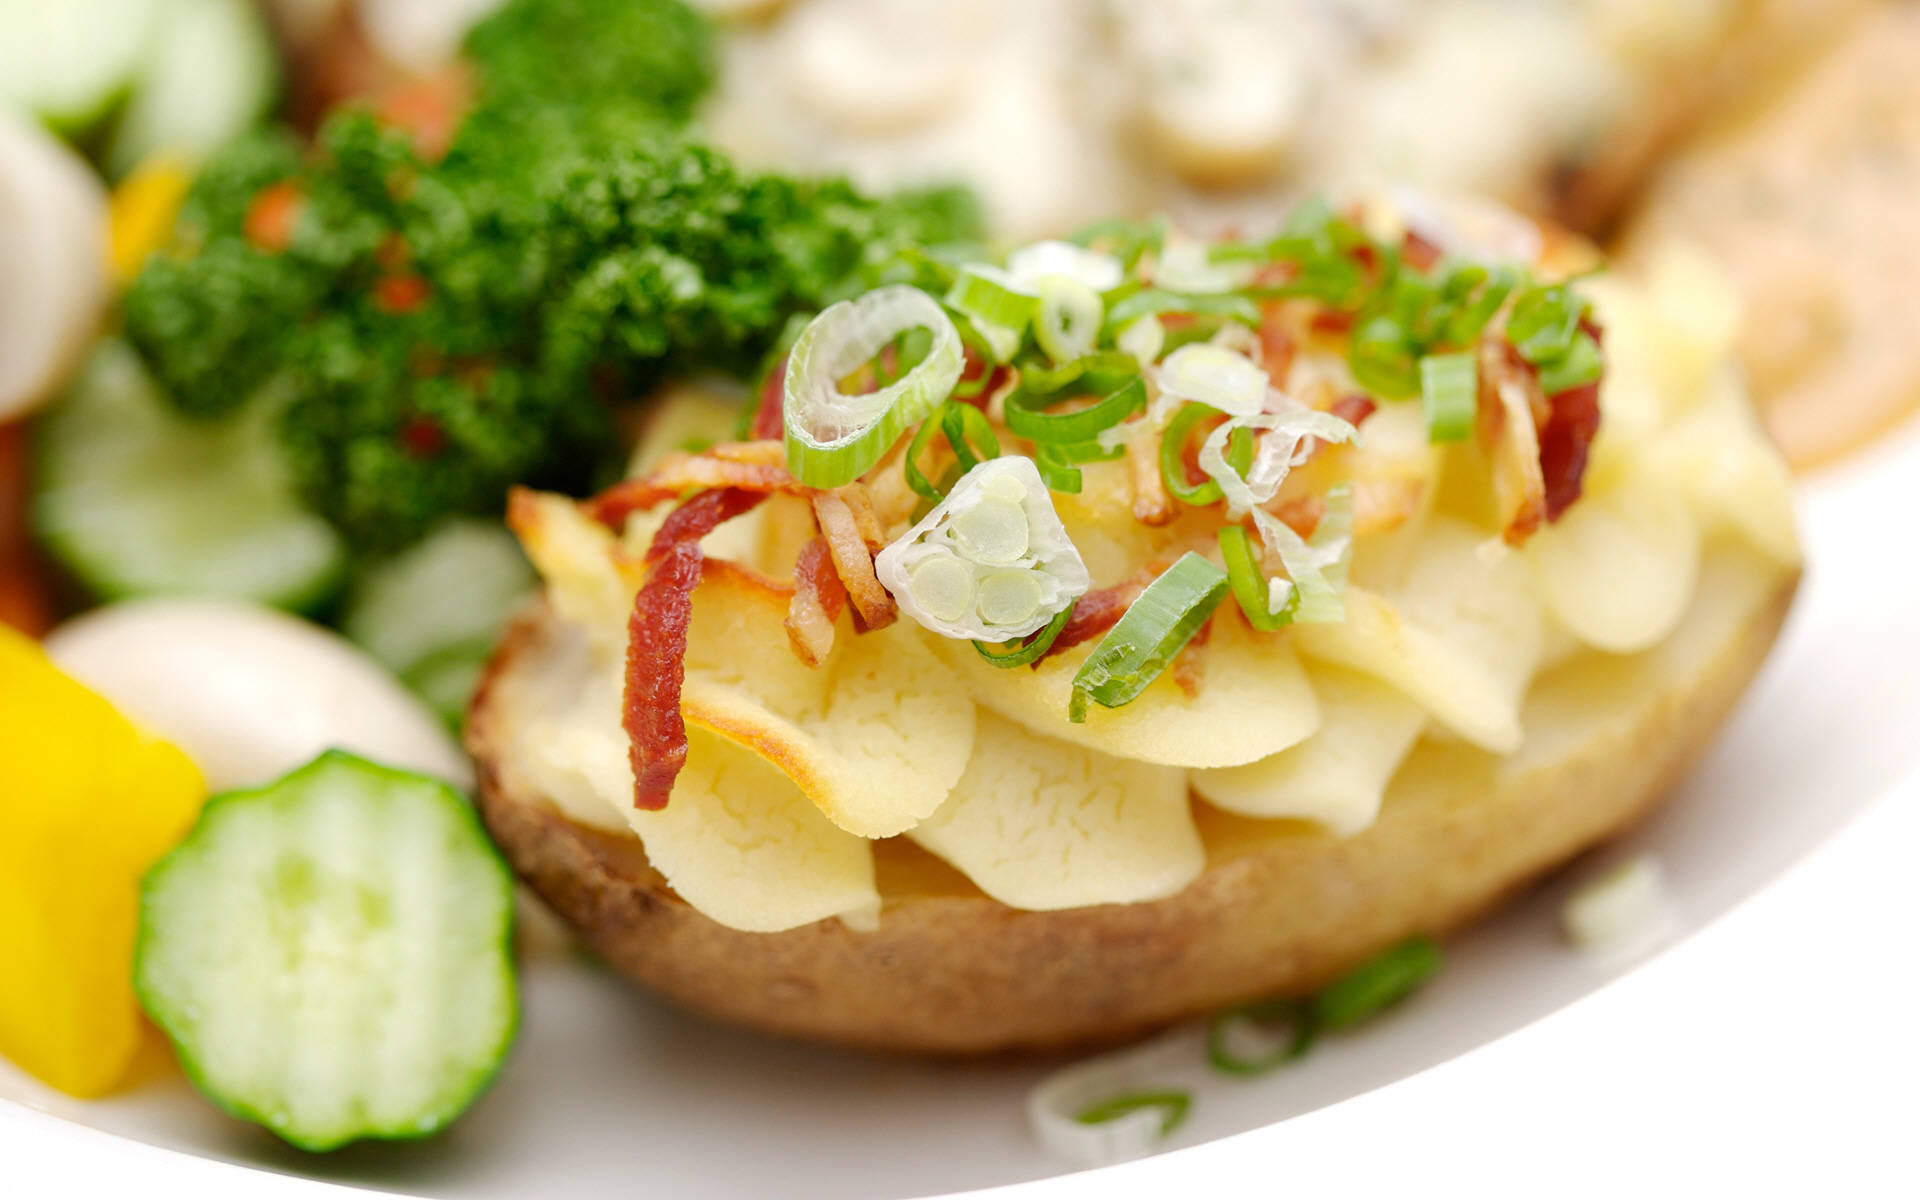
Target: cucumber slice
x=330 y=954
x=136 y=500
x=69 y=62
x=209 y=76
x=433 y=613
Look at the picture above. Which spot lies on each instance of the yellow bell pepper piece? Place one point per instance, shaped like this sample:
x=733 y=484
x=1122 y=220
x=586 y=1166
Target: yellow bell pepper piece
x=87 y=803
x=141 y=210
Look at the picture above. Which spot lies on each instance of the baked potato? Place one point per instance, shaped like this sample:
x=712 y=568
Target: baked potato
x=1474 y=662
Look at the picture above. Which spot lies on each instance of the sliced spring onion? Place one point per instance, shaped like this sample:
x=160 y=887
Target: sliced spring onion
x=1188 y=266
x=968 y=433
x=1624 y=910
x=1173 y=456
x=1449 y=394
x=1214 y=375
x=1159 y=623
x=1068 y=323
x=1384 y=358
x=1229 y=1032
x=1030 y=266
x=1127 y=240
x=1170 y=1104
x=1026 y=414
x=1058 y=474
x=1096 y=1088
x=1029 y=651
x=988 y=294
x=1154 y=301
x=1544 y=321
x=833 y=437
x=1317 y=566
x=1579 y=366
x=1281 y=448
x=1250 y=586
x=1377 y=984
x=1470 y=319
x=1102 y=371
x=991 y=562
x=1143 y=340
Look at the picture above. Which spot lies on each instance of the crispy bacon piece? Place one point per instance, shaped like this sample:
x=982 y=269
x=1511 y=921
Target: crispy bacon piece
x=818 y=600
x=1418 y=252
x=1189 y=667
x=1152 y=505
x=852 y=552
x=657 y=642
x=679 y=474
x=1353 y=408
x=1564 y=442
x=1276 y=344
x=1097 y=611
x=769 y=420
x=1505 y=423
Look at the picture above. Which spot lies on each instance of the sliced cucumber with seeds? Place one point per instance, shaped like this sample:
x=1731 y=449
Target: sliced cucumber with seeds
x=136 y=500
x=330 y=954
x=433 y=613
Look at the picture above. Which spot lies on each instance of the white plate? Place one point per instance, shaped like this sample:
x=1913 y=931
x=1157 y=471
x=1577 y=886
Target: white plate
x=609 y=1094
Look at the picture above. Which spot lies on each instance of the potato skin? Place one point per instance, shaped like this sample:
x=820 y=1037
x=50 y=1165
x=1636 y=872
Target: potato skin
x=1281 y=907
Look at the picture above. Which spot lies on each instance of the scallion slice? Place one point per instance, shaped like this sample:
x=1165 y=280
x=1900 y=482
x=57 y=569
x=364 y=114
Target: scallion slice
x=969 y=433
x=1230 y=1027
x=1159 y=623
x=1068 y=322
x=1377 y=984
x=1544 y=321
x=1384 y=358
x=986 y=293
x=1030 y=266
x=1153 y=301
x=991 y=562
x=832 y=436
x=1579 y=366
x=1317 y=566
x=1449 y=394
x=1143 y=340
x=1029 y=651
x=1026 y=414
x=1172 y=1105
x=1250 y=587
x=1173 y=455
x=1216 y=376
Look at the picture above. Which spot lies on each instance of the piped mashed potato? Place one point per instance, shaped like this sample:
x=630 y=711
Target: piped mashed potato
x=795 y=773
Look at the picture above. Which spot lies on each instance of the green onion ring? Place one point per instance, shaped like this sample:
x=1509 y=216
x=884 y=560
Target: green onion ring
x=1173 y=1106
x=969 y=433
x=1173 y=456
x=832 y=437
x=1450 y=395
x=1030 y=650
x=1295 y=1013
x=1154 y=301
x=1068 y=323
x=1026 y=417
x=1155 y=627
x=1377 y=984
x=1250 y=588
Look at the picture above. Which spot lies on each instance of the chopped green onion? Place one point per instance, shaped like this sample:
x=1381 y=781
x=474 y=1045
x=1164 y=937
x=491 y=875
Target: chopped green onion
x=1249 y=583
x=1068 y=323
x=1449 y=393
x=1214 y=375
x=1249 y=481
x=1031 y=266
x=990 y=295
x=1026 y=415
x=1159 y=623
x=1102 y=371
x=1384 y=358
x=1228 y=1059
x=1030 y=650
x=1316 y=566
x=991 y=562
x=1579 y=366
x=969 y=433
x=1377 y=984
x=1127 y=240
x=1058 y=474
x=1173 y=456
x=1152 y=302
x=1544 y=321
x=1173 y=1106
x=1143 y=340
x=1468 y=321
x=1187 y=266
x=833 y=437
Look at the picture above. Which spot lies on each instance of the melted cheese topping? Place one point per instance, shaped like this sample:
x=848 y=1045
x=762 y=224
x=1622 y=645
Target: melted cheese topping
x=793 y=772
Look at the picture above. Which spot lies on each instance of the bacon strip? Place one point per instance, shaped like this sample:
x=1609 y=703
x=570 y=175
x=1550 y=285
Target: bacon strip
x=1506 y=424
x=679 y=474
x=1564 y=443
x=1098 y=611
x=657 y=642
x=1189 y=667
x=818 y=600
x=853 y=559
x=769 y=420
